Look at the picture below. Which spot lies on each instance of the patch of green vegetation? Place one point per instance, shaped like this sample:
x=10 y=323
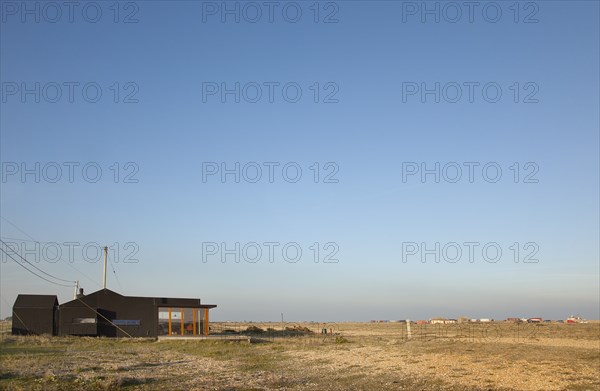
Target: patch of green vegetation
x=68 y=383
x=249 y=357
x=23 y=349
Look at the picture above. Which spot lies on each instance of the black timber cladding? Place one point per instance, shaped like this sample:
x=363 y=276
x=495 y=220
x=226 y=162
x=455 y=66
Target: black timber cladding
x=101 y=313
x=35 y=314
x=94 y=314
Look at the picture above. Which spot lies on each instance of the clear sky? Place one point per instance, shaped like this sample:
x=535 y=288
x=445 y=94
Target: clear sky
x=386 y=93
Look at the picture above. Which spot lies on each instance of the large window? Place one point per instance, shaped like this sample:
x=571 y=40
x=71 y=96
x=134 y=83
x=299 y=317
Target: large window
x=182 y=321
x=163 y=321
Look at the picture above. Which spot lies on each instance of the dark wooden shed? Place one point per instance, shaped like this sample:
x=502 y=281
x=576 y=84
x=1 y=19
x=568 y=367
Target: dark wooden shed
x=35 y=314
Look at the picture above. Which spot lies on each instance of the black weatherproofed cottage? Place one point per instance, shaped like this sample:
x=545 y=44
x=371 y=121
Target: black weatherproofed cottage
x=107 y=313
x=35 y=314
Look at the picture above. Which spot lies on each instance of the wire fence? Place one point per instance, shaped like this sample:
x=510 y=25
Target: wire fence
x=5 y=329
x=311 y=332
x=306 y=332
x=493 y=331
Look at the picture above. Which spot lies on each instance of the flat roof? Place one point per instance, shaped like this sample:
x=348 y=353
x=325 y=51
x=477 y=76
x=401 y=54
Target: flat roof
x=35 y=301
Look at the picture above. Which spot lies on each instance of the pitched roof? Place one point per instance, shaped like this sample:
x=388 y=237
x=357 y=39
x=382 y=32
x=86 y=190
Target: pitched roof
x=93 y=298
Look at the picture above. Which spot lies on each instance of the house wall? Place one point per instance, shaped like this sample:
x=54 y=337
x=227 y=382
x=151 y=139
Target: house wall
x=143 y=311
x=68 y=324
x=140 y=314
x=33 y=321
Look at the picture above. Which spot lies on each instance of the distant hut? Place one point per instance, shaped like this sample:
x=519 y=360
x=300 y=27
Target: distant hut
x=437 y=320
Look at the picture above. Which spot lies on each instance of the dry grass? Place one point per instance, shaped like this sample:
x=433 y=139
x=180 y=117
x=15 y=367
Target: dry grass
x=357 y=356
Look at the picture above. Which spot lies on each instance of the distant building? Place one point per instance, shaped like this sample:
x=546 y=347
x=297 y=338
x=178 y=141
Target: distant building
x=575 y=319
x=442 y=321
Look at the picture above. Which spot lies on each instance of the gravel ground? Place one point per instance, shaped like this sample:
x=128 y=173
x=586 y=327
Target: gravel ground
x=356 y=357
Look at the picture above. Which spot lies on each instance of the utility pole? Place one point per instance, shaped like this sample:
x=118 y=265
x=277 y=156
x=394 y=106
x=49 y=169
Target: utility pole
x=76 y=290
x=104 y=274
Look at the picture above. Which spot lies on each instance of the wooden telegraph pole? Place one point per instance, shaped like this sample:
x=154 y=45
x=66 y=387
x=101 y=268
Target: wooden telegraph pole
x=104 y=274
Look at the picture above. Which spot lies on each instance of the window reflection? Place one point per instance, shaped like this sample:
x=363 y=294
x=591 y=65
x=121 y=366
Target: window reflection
x=182 y=321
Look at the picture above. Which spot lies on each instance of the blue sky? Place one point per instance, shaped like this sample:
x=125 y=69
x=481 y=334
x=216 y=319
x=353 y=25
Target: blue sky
x=369 y=56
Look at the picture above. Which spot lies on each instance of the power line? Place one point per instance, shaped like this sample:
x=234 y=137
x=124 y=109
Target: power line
x=14 y=225
x=32 y=272
x=17 y=315
x=37 y=268
x=105 y=318
x=32 y=238
x=115 y=273
x=21 y=239
x=37 y=242
x=84 y=303
x=26 y=240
